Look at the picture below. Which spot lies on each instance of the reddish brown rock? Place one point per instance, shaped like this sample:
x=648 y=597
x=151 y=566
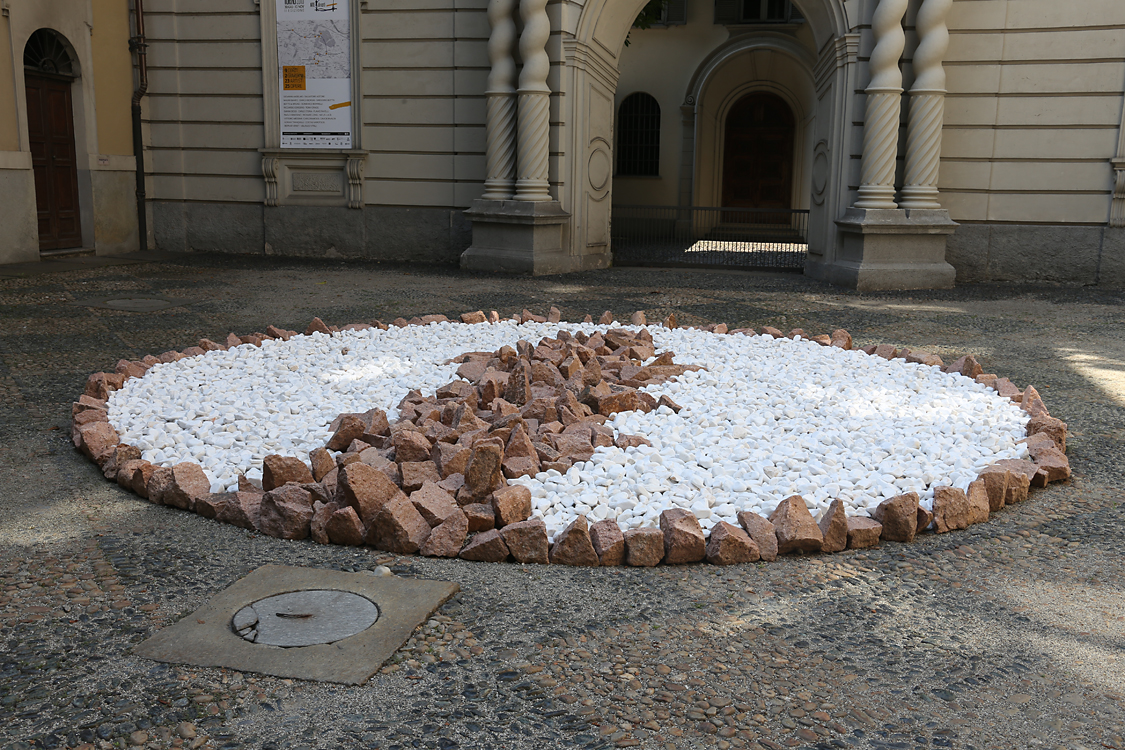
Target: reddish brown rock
x=322 y=463
x=122 y=454
x=886 y=351
x=241 y=509
x=483 y=474
x=366 y=489
x=126 y=471
x=518 y=388
x=730 y=545
x=628 y=400
x=995 y=480
x=88 y=416
x=447 y=537
x=841 y=338
x=1032 y=403
x=487 y=546
x=473 y=317
x=951 y=509
x=417 y=473
x=762 y=532
x=863 y=533
x=411 y=446
x=1020 y=474
x=1053 y=428
x=514 y=468
x=398 y=527
x=573 y=546
x=527 y=541
x=481 y=517
x=979 y=505
x=683 y=537
x=511 y=504
x=158 y=483
x=450 y=458
x=188 y=483
x=966 y=365
x=97 y=440
x=279 y=470
x=317 y=326
x=925 y=519
x=351 y=427
x=834 y=528
x=286 y=512
x=139 y=481
x=86 y=403
x=899 y=516
x=321 y=513
x=795 y=528
x=1052 y=461
x=345 y=527
x=207 y=506
x=609 y=542
x=101 y=384
x=644 y=548
x=434 y=503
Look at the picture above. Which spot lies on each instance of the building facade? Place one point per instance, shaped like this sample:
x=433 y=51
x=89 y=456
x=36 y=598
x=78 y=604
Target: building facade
x=66 y=147
x=927 y=140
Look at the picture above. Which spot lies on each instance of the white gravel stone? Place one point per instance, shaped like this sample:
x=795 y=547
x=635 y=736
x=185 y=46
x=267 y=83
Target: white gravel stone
x=769 y=418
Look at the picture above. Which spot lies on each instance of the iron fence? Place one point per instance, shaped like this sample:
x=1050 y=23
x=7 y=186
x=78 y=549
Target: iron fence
x=709 y=237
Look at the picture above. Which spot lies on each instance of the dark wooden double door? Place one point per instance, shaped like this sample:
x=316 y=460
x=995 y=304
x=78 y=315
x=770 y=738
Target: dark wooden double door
x=50 y=125
x=758 y=153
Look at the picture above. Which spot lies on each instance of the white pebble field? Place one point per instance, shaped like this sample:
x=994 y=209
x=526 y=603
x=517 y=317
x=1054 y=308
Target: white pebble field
x=767 y=419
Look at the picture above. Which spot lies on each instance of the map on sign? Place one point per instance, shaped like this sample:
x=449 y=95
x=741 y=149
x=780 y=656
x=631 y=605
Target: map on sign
x=314 y=57
x=323 y=47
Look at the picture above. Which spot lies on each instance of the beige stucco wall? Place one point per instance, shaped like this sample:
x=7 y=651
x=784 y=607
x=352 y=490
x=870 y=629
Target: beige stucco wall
x=113 y=76
x=9 y=123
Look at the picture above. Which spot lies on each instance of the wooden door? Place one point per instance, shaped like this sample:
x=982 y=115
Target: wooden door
x=758 y=153
x=50 y=124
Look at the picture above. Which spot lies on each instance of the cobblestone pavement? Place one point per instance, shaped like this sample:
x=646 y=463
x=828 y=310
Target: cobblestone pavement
x=1006 y=635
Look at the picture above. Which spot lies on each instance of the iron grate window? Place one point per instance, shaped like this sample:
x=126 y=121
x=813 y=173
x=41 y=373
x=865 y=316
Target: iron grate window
x=638 y=136
x=46 y=52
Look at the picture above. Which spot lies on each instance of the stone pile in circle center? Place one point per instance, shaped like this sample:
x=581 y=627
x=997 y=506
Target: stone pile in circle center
x=511 y=413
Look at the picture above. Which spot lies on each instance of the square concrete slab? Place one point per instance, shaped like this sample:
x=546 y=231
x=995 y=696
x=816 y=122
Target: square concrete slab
x=207 y=637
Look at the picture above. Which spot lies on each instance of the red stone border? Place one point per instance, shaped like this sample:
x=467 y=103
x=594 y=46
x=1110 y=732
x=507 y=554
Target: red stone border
x=435 y=482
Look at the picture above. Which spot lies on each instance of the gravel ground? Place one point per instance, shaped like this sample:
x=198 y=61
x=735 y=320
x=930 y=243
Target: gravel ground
x=1005 y=635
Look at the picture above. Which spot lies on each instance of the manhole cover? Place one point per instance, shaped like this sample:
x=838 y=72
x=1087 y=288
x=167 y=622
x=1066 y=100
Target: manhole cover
x=137 y=304
x=305 y=618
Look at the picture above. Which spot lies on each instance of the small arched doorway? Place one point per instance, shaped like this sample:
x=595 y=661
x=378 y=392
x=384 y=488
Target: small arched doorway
x=49 y=72
x=758 y=153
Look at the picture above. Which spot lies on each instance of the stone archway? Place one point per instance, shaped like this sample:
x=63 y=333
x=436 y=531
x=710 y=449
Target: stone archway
x=548 y=192
x=589 y=80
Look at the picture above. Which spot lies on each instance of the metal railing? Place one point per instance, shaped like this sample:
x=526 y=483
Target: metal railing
x=709 y=237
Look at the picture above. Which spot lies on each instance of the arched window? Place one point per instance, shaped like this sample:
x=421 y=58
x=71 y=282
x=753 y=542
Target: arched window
x=638 y=136
x=46 y=52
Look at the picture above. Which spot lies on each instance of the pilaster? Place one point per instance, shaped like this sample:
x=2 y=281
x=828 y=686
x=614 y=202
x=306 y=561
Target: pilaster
x=534 y=110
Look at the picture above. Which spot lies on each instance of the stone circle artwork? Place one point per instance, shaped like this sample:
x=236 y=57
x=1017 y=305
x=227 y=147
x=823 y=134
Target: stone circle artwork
x=585 y=443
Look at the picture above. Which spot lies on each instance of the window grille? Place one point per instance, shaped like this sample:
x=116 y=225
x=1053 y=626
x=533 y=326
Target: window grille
x=638 y=136
x=46 y=52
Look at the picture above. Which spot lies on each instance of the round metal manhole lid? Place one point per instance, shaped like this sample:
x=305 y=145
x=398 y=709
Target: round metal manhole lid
x=305 y=618
x=137 y=304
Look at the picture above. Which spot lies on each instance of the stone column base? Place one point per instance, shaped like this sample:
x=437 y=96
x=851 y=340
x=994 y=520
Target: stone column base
x=889 y=249
x=518 y=237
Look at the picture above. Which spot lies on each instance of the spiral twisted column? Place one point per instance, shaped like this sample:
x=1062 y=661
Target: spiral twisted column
x=927 y=108
x=884 y=95
x=500 y=101
x=533 y=115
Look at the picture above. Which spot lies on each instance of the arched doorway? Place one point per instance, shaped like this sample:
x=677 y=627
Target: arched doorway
x=758 y=153
x=49 y=72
